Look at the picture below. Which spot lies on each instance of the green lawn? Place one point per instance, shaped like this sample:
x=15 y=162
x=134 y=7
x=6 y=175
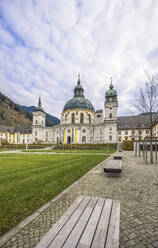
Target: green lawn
x=27 y=181
x=74 y=151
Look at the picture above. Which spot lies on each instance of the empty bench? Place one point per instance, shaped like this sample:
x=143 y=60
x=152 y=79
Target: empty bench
x=117 y=157
x=89 y=222
x=113 y=166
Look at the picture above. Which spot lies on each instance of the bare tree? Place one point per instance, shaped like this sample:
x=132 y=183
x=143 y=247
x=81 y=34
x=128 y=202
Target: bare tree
x=138 y=125
x=147 y=102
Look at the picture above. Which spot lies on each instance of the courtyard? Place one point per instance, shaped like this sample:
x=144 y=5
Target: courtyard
x=136 y=190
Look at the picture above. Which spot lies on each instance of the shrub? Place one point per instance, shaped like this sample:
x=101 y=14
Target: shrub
x=127 y=145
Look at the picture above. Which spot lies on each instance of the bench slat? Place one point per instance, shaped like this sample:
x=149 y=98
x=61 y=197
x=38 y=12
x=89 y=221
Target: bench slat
x=100 y=235
x=76 y=233
x=46 y=240
x=90 y=229
x=89 y=222
x=113 y=231
x=60 y=239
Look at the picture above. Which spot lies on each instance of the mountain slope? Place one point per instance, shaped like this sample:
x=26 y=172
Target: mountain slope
x=14 y=115
x=11 y=114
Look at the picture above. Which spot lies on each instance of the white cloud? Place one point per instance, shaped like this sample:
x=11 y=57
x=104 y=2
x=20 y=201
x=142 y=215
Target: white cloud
x=44 y=44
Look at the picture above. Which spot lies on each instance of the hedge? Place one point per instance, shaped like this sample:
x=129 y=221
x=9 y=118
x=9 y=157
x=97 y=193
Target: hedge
x=23 y=146
x=127 y=145
x=87 y=146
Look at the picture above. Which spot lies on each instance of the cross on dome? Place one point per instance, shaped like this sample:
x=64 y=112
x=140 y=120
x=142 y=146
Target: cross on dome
x=78 y=81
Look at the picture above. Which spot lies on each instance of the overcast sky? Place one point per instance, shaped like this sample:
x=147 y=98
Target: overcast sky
x=45 y=43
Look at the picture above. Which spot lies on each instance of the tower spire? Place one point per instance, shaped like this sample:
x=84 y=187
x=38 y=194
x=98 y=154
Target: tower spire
x=39 y=101
x=78 y=81
x=39 y=107
x=111 y=85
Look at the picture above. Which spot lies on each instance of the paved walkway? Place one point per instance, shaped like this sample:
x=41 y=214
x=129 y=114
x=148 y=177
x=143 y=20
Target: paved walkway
x=137 y=190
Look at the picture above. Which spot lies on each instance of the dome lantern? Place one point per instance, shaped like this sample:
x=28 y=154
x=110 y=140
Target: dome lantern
x=78 y=90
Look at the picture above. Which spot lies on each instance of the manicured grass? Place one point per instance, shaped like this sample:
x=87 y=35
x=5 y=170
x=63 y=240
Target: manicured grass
x=84 y=151
x=74 y=151
x=27 y=181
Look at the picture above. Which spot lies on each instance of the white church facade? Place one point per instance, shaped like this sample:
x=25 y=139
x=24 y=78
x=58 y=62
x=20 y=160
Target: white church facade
x=79 y=123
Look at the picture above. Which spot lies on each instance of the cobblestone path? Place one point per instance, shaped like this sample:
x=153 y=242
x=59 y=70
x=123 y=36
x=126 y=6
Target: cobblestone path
x=137 y=190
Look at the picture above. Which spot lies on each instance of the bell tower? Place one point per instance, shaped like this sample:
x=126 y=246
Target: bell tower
x=111 y=104
x=39 y=116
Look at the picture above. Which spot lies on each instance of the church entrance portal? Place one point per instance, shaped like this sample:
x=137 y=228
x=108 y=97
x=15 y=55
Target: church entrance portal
x=68 y=140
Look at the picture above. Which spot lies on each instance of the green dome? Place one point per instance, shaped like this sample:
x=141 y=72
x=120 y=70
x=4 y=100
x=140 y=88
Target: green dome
x=79 y=103
x=39 y=109
x=111 y=91
x=111 y=94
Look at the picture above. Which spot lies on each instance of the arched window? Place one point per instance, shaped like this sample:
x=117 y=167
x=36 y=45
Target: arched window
x=73 y=118
x=110 y=115
x=89 y=118
x=84 y=139
x=81 y=118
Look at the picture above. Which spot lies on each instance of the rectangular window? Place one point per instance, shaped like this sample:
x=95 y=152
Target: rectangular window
x=133 y=131
x=119 y=132
x=110 y=137
x=147 y=131
x=126 y=132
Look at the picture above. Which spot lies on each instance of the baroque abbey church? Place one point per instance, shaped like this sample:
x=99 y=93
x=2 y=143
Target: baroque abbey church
x=79 y=122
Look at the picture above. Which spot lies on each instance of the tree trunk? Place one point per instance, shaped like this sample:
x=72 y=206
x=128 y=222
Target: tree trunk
x=151 y=146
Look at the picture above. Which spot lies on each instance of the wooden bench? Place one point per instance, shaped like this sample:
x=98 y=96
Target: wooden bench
x=113 y=166
x=89 y=222
x=117 y=157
